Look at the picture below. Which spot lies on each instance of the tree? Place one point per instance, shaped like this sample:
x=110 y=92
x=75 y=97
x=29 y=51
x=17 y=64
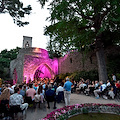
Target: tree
x=75 y=23
x=5 y=58
x=16 y=10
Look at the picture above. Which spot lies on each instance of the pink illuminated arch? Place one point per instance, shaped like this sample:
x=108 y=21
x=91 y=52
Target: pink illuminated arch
x=43 y=71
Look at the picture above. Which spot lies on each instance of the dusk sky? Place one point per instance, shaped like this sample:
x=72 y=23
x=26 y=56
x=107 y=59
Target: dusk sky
x=11 y=35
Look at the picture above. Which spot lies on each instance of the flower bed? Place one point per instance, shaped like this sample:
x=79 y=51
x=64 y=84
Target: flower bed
x=69 y=111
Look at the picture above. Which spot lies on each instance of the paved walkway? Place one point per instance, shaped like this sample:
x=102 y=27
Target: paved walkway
x=38 y=113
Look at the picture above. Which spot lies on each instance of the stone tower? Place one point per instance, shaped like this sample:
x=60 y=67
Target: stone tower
x=27 y=42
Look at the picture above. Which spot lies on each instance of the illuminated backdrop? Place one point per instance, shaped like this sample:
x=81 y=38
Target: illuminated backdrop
x=33 y=63
x=39 y=65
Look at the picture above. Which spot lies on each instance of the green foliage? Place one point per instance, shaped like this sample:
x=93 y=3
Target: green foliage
x=84 y=111
x=92 y=75
x=5 y=58
x=63 y=76
x=118 y=76
x=16 y=10
x=77 y=23
x=113 y=65
x=111 y=38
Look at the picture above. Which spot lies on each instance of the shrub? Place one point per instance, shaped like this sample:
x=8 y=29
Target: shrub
x=92 y=75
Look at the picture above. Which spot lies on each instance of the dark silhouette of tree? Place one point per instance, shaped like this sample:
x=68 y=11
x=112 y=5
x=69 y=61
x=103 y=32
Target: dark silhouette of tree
x=16 y=10
x=78 y=23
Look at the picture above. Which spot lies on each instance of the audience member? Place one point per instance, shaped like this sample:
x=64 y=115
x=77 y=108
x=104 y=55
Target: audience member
x=31 y=92
x=17 y=99
x=59 y=93
x=108 y=83
x=101 y=89
x=81 y=86
x=22 y=92
x=59 y=89
x=5 y=95
x=67 y=91
x=114 y=87
x=11 y=89
x=39 y=97
x=118 y=85
x=113 y=77
x=50 y=96
x=111 y=93
x=90 y=88
x=73 y=89
x=96 y=84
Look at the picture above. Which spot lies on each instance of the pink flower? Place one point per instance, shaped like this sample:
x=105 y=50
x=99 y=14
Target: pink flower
x=55 y=114
x=63 y=111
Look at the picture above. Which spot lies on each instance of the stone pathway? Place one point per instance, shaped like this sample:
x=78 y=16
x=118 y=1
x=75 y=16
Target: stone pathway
x=38 y=113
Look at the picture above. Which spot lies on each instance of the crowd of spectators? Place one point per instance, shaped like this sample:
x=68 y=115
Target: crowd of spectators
x=34 y=92
x=108 y=90
x=39 y=91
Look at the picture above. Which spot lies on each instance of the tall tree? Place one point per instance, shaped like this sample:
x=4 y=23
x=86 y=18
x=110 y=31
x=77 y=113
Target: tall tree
x=16 y=10
x=82 y=22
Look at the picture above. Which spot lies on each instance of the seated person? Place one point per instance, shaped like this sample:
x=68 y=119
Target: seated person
x=90 y=88
x=31 y=92
x=114 y=87
x=11 y=89
x=17 y=100
x=111 y=93
x=4 y=101
x=50 y=96
x=81 y=86
x=108 y=83
x=73 y=88
x=96 y=84
x=100 y=90
x=118 y=85
x=5 y=95
x=22 y=92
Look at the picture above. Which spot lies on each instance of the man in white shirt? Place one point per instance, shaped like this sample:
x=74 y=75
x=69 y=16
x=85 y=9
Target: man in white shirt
x=59 y=93
x=59 y=89
x=17 y=99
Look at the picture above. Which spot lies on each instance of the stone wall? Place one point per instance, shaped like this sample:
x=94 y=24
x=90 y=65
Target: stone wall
x=73 y=61
x=28 y=60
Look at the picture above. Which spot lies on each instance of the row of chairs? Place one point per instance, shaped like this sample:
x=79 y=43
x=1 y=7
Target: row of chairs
x=58 y=99
x=103 y=93
x=7 y=111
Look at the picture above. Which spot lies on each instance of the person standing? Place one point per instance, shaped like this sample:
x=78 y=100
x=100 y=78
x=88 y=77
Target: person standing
x=67 y=91
x=113 y=77
x=50 y=96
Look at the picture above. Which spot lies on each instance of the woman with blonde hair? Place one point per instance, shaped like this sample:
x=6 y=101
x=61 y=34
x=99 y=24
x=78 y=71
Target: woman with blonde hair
x=5 y=94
